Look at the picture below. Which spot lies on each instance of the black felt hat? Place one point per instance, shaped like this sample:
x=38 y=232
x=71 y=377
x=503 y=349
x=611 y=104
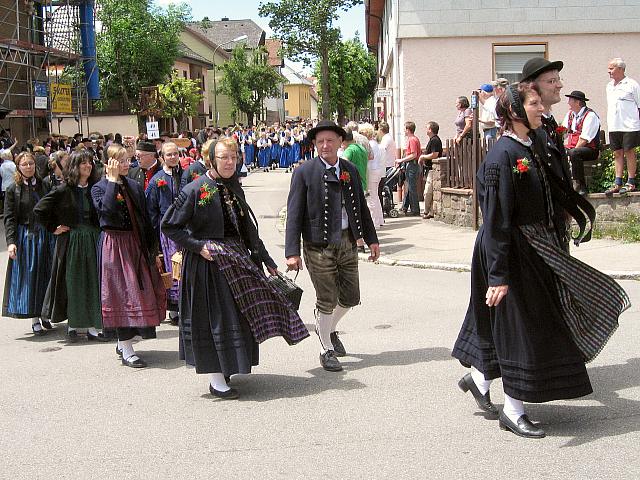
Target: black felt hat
x=537 y=66
x=144 y=146
x=326 y=125
x=578 y=95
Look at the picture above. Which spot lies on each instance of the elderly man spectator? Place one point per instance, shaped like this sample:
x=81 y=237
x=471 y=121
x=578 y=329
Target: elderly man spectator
x=623 y=119
x=433 y=151
x=487 y=114
x=583 y=137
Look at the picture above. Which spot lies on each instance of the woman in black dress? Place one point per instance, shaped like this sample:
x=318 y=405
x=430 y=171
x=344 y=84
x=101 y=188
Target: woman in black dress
x=227 y=307
x=536 y=314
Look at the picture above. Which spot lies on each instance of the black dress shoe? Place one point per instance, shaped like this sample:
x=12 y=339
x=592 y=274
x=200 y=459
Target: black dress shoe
x=97 y=338
x=72 y=336
x=46 y=324
x=230 y=394
x=227 y=379
x=523 y=428
x=175 y=321
x=137 y=363
x=338 y=347
x=118 y=351
x=330 y=362
x=40 y=331
x=466 y=384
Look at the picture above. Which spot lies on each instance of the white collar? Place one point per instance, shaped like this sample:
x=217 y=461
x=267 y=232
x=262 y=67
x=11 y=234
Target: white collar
x=510 y=134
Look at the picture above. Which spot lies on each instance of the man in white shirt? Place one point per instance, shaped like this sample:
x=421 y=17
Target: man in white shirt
x=487 y=114
x=388 y=146
x=623 y=119
x=583 y=137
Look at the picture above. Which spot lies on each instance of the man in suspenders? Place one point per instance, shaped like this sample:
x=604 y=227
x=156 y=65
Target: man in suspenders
x=583 y=137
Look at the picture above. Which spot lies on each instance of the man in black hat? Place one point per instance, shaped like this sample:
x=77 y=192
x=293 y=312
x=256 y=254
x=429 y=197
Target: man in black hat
x=327 y=207
x=546 y=75
x=148 y=164
x=582 y=140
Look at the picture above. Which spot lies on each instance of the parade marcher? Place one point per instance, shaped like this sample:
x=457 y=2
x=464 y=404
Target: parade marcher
x=276 y=149
x=227 y=307
x=132 y=295
x=57 y=163
x=264 y=152
x=536 y=314
x=286 y=145
x=67 y=212
x=148 y=164
x=249 y=148
x=582 y=140
x=161 y=193
x=197 y=169
x=327 y=208
x=30 y=247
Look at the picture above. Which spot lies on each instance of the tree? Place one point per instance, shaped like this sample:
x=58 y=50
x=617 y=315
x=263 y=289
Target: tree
x=180 y=98
x=248 y=81
x=352 y=77
x=307 y=32
x=136 y=47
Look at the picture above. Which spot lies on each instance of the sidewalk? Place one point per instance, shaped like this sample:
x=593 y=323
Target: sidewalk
x=418 y=243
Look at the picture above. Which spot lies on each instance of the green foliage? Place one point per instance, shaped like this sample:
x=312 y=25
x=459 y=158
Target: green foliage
x=307 y=32
x=604 y=173
x=352 y=77
x=248 y=81
x=180 y=98
x=628 y=231
x=136 y=47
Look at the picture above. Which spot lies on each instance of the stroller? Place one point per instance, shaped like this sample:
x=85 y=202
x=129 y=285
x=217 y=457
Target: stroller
x=390 y=184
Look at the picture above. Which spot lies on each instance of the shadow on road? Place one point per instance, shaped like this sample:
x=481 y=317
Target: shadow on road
x=616 y=416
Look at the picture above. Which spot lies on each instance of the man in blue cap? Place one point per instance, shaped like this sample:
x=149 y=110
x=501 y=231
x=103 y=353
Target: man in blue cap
x=487 y=113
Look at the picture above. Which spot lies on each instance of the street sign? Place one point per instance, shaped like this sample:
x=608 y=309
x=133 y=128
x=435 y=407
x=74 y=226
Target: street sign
x=40 y=103
x=61 y=98
x=152 y=130
x=384 y=92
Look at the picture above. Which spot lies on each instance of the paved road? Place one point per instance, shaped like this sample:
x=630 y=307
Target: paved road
x=72 y=411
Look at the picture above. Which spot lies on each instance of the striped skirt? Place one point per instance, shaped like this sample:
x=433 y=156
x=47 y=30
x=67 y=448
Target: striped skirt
x=132 y=293
x=169 y=247
x=28 y=275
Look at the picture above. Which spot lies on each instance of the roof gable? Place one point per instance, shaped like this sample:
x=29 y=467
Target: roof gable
x=223 y=32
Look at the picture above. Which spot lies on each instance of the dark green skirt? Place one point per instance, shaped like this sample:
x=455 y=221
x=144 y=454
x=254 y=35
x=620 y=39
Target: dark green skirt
x=82 y=281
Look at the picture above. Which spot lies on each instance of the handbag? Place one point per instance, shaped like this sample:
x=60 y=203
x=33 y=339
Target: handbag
x=176 y=265
x=287 y=287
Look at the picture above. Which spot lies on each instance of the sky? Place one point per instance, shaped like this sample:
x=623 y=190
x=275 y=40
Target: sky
x=349 y=23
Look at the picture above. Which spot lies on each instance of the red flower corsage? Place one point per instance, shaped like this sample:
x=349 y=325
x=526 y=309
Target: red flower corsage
x=345 y=177
x=522 y=166
x=161 y=183
x=206 y=193
x=120 y=199
x=561 y=130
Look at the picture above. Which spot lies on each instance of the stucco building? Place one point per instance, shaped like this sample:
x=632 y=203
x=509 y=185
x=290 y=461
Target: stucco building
x=431 y=51
x=298 y=95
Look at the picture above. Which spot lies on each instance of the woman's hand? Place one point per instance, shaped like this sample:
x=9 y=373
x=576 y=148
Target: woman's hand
x=206 y=254
x=458 y=138
x=294 y=263
x=272 y=271
x=12 y=250
x=61 y=229
x=113 y=169
x=495 y=295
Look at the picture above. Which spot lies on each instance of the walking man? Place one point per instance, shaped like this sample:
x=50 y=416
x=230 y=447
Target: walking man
x=327 y=208
x=623 y=119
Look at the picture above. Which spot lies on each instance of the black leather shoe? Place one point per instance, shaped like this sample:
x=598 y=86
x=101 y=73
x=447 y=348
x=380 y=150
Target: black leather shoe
x=175 y=321
x=137 y=363
x=118 y=351
x=466 y=384
x=338 y=347
x=46 y=324
x=523 y=428
x=230 y=394
x=330 y=362
x=97 y=338
x=40 y=331
x=72 y=336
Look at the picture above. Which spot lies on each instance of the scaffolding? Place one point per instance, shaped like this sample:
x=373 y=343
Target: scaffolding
x=41 y=65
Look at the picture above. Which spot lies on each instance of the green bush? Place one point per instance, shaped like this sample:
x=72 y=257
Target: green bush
x=604 y=172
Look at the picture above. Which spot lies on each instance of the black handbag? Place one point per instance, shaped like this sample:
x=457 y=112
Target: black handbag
x=287 y=287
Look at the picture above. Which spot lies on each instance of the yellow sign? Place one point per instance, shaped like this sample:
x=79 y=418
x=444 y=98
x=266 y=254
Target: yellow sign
x=61 y=98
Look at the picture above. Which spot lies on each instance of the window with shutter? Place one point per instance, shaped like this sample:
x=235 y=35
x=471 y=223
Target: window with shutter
x=508 y=60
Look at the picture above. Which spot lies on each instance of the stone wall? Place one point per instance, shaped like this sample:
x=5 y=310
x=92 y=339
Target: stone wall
x=455 y=205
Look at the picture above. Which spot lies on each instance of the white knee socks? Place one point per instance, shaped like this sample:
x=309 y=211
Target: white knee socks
x=337 y=315
x=324 y=323
x=478 y=378
x=513 y=408
x=218 y=382
x=127 y=348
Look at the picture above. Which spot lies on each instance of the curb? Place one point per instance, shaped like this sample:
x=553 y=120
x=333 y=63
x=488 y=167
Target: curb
x=463 y=267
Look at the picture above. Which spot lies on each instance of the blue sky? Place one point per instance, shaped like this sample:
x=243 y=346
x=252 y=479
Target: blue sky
x=349 y=23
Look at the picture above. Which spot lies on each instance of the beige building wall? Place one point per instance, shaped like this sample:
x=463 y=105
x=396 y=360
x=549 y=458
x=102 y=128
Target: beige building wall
x=434 y=71
x=299 y=102
x=124 y=124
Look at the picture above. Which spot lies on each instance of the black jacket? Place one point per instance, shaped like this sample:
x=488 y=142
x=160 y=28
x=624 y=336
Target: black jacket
x=60 y=207
x=19 y=206
x=138 y=173
x=314 y=206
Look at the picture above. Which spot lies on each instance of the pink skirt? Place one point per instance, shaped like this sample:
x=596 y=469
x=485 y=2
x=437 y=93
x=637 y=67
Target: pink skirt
x=132 y=293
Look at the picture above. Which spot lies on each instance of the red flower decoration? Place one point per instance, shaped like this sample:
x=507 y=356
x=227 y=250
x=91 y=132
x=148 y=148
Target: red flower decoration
x=345 y=177
x=161 y=182
x=119 y=198
x=522 y=166
x=561 y=130
x=206 y=193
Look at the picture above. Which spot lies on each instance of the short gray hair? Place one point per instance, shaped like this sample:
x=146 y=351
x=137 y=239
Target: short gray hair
x=618 y=62
x=353 y=126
